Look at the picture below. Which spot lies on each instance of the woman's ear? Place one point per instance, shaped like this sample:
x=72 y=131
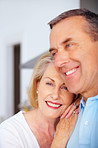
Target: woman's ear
x=37 y=86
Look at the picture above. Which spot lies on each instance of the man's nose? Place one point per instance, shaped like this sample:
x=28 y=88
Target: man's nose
x=61 y=59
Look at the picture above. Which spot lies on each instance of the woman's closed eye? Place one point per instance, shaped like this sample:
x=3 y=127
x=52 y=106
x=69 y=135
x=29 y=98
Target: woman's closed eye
x=49 y=83
x=64 y=87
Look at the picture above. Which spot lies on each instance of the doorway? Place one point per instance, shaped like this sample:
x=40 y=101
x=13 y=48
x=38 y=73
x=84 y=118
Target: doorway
x=16 y=77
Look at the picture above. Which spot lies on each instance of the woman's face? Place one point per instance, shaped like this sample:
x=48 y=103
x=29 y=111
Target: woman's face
x=53 y=96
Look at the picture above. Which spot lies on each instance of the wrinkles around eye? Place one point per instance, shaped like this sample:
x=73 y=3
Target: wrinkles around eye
x=69 y=45
x=49 y=84
x=64 y=87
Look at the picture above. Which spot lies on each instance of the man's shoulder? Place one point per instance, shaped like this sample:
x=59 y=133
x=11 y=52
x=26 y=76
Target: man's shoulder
x=92 y=102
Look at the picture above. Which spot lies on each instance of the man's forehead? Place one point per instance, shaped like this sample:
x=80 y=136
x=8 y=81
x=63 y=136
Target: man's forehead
x=70 y=19
x=71 y=22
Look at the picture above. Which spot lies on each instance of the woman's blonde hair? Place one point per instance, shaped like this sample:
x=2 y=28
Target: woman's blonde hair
x=39 y=70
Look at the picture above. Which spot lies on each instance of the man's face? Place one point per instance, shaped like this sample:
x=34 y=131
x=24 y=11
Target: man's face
x=76 y=55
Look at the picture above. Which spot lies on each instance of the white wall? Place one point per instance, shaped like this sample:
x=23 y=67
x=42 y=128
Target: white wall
x=25 y=22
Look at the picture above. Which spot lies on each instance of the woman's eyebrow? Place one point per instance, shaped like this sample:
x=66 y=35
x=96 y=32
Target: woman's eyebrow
x=49 y=78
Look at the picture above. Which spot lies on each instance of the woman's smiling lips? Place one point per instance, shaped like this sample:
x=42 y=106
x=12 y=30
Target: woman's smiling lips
x=53 y=105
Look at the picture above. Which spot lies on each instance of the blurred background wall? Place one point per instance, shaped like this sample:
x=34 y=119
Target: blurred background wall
x=90 y=4
x=24 y=34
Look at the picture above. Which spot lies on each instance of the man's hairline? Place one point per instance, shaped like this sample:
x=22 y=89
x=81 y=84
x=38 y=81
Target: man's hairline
x=85 y=26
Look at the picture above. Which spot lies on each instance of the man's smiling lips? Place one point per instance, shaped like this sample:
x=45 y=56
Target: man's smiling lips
x=53 y=105
x=71 y=71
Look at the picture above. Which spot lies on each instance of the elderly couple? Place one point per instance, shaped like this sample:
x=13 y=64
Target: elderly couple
x=61 y=117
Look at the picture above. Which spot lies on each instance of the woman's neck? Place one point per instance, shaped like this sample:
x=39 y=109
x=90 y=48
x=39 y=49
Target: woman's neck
x=46 y=123
x=42 y=127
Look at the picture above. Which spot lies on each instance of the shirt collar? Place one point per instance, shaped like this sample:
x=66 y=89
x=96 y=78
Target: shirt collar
x=93 y=98
x=82 y=104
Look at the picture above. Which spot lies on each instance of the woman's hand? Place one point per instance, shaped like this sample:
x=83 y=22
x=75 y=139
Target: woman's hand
x=64 y=131
x=73 y=108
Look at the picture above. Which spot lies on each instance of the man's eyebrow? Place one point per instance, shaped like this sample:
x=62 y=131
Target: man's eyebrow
x=65 y=41
x=51 y=49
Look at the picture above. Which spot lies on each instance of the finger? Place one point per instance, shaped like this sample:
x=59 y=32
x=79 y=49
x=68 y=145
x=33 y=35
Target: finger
x=66 y=112
x=77 y=110
x=77 y=102
x=71 y=111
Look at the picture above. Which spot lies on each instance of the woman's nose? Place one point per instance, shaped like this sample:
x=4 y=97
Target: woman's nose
x=55 y=94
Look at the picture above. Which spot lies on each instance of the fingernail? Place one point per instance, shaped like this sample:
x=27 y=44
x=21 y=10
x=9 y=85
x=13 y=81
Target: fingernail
x=61 y=117
x=77 y=112
x=66 y=116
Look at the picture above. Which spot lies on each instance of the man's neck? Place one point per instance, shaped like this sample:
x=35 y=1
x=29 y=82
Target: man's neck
x=87 y=95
